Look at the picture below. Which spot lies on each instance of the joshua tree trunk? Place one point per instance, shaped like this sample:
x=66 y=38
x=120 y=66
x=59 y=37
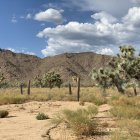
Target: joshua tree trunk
x=119 y=87
x=135 y=91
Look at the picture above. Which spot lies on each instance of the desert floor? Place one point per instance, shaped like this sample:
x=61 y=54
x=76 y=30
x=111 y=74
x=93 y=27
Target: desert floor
x=22 y=124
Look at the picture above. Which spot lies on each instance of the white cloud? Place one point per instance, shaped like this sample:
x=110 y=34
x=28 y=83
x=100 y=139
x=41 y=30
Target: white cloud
x=50 y=15
x=106 y=51
x=104 y=17
x=14 y=20
x=28 y=16
x=133 y=16
x=117 y=8
x=101 y=36
x=20 y=51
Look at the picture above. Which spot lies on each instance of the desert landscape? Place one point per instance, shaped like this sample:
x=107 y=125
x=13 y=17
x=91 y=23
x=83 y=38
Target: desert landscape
x=69 y=70
x=21 y=123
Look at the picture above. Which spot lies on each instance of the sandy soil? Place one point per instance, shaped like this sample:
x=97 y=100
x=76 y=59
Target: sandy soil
x=22 y=124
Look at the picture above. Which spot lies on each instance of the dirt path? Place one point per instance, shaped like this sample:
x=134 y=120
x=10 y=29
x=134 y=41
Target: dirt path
x=22 y=124
x=106 y=122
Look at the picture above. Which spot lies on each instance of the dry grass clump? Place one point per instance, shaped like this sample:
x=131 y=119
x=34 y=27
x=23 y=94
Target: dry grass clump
x=124 y=100
x=127 y=112
x=129 y=130
x=3 y=113
x=126 y=107
x=80 y=121
x=97 y=99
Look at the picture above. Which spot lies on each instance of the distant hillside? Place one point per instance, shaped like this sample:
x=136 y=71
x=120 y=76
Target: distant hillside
x=22 y=67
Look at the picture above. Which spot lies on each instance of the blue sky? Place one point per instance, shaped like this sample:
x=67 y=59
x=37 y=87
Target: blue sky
x=51 y=27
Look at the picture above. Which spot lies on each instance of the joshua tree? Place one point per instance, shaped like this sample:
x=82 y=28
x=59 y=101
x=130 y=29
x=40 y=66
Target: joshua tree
x=102 y=79
x=130 y=67
x=123 y=71
x=38 y=82
x=51 y=80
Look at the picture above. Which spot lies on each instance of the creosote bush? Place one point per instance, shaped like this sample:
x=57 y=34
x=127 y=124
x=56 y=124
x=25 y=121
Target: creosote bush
x=80 y=121
x=3 y=113
x=41 y=116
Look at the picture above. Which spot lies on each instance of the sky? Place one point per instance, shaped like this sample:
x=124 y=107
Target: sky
x=51 y=27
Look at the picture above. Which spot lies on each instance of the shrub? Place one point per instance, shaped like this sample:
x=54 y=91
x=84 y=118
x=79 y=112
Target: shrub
x=125 y=101
x=97 y=99
x=41 y=116
x=128 y=112
x=3 y=113
x=80 y=121
x=129 y=130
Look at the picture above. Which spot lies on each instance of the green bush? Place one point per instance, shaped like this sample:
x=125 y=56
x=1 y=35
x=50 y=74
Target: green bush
x=41 y=116
x=3 y=113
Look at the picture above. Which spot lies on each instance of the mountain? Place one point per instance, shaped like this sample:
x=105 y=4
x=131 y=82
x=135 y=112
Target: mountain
x=22 y=67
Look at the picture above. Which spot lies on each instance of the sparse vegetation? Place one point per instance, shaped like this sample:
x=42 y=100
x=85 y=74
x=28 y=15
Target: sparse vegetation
x=41 y=116
x=3 y=113
x=81 y=121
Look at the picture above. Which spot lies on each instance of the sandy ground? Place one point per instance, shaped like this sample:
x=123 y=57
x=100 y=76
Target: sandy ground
x=22 y=124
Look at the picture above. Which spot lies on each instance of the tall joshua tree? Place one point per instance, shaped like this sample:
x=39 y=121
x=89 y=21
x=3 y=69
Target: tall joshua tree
x=130 y=67
x=123 y=71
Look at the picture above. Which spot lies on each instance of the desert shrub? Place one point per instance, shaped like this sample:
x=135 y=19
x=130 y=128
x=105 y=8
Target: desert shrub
x=124 y=100
x=129 y=130
x=97 y=99
x=128 y=112
x=41 y=116
x=3 y=113
x=80 y=121
x=13 y=100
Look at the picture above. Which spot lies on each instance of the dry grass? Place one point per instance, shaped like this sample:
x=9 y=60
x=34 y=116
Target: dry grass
x=80 y=121
x=127 y=110
x=128 y=130
x=13 y=96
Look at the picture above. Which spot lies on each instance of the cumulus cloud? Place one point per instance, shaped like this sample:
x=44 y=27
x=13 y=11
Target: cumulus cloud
x=50 y=15
x=104 y=17
x=106 y=51
x=20 y=51
x=117 y=8
x=133 y=16
x=101 y=36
